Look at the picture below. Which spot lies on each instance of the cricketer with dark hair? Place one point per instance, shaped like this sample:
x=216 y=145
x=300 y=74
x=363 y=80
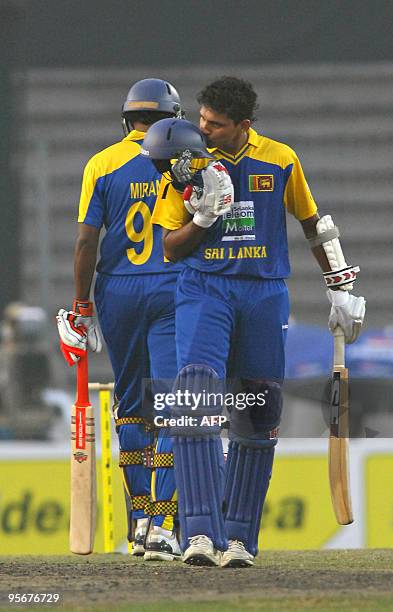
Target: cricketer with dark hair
x=232 y=314
x=134 y=299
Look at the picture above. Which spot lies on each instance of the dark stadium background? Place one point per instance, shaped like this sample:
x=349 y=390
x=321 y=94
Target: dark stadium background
x=324 y=75
x=162 y=34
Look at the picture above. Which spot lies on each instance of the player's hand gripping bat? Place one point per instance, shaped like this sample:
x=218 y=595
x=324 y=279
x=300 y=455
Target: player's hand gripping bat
x=83 y=466
x=339 y=435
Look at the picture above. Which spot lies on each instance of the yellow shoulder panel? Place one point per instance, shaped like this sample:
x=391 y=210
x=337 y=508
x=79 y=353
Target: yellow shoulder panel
x=271 y=151
x=298 y=198
x=101 y=164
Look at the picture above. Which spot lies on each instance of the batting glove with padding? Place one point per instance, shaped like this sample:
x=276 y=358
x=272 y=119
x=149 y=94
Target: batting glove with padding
x=348 y=312
x=212 y=200
x=78 y=330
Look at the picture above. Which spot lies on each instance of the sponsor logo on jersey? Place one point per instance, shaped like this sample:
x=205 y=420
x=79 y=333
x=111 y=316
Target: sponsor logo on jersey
x=239 y=222
x=260 y=182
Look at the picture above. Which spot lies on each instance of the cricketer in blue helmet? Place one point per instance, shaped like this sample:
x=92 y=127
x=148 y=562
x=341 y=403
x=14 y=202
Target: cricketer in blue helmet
x=134 y=297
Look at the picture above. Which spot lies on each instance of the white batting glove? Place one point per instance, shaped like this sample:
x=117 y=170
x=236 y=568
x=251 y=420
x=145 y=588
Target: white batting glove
x=348 y=312
x=78 y=330
x=73 y=339
x=194 y=193
x=214 y=199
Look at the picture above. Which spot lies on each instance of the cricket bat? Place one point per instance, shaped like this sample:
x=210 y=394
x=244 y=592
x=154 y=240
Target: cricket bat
x=83 y=467
x=339 y=435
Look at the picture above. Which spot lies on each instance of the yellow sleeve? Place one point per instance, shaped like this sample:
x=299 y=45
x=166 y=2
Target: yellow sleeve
x=169 y=210
x=298 y=198
x=89 y=180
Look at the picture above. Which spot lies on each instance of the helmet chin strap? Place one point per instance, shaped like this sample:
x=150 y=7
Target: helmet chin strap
x=179 y=112
x=126 y=127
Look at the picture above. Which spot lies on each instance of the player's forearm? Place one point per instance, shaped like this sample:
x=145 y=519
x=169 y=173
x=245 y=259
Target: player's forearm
x=85 y=255
x=323 y=237
x=181 y=242
x=84 y=265
x=310 y=231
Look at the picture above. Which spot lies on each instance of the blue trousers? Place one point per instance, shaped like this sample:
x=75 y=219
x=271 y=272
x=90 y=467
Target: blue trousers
x=137 y=319
x=237 y=326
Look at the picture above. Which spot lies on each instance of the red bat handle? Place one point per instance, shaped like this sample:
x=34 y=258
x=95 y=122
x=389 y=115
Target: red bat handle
x=82 y=385
x=187 y=193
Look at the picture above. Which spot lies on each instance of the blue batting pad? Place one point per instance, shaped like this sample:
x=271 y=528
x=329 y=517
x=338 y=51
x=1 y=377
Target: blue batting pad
x=199 y=472
x=133 y=437
x=257 y=424
x=164 y=484
x=247 y=475
x=198 y=456
x=199 y=400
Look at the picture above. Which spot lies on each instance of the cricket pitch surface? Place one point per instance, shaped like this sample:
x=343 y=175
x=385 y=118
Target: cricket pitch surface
x=280 y=580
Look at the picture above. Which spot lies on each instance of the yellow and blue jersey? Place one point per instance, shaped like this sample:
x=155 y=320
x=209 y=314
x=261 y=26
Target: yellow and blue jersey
x=251 y=239
x=119 y=191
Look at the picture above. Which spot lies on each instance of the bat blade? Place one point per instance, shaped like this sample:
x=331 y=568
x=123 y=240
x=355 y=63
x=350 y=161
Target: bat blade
x=83 y=468
x=339 y=438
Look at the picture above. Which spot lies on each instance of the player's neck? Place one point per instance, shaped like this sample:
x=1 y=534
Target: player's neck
x=234 y=147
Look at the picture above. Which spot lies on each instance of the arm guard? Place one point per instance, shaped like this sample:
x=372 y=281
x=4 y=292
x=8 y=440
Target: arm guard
x=341 y=275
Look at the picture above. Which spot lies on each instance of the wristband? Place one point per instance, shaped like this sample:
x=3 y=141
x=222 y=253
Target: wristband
x=343 y=277
x=83 y=308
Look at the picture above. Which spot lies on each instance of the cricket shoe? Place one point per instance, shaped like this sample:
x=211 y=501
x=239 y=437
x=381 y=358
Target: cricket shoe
x=138 y=545
x=161 y=545
x=236 y=555
x=201 y=552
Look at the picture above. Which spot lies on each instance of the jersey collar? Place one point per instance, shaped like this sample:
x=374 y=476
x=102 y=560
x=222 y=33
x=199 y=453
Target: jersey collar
x=252 y=140
x=135 y=135
x=253 y=137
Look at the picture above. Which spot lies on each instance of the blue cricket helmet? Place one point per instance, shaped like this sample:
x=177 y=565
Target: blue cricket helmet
x=169 y=138
x=153 y=95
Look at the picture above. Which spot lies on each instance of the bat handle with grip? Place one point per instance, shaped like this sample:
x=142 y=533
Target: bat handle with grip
x=187 y=193
x=339 y=347
x=82 y=387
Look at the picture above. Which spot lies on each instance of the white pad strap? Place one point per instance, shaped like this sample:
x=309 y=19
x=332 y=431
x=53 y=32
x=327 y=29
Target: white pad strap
x=324 y=237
